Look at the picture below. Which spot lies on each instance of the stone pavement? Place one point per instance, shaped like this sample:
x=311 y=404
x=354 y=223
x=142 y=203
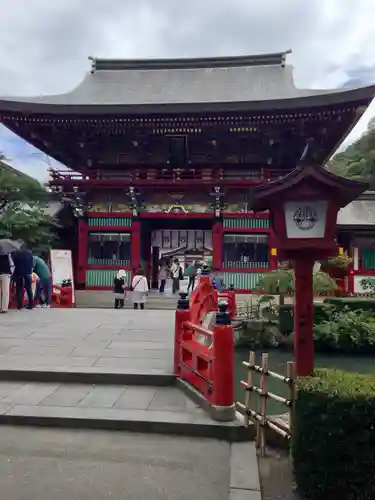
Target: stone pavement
x=88 y=341
x=123 y=361
x=58 y=464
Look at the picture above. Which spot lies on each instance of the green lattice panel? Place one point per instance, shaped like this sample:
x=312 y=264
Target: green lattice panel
x=242 y=281
x=246 y=223
x=368 y=258
x=108 y=262
x=103 y=277
x=109 y=221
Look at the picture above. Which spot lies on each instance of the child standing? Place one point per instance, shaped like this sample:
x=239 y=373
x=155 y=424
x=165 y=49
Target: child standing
x=119 y=289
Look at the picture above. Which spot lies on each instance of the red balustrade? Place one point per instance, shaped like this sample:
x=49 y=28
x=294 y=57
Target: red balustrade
x=204 y=355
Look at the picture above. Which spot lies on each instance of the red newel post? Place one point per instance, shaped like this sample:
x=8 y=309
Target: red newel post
x=223 y=365
x=304 y=316
x=182 y=315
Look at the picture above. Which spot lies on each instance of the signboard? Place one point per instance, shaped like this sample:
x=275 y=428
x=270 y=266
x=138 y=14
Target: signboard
x=305 y=219
x=62 y=268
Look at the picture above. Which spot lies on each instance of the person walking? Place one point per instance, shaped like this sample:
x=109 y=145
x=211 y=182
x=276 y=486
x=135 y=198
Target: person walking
x=23 y=269
x=192 y=273
x=119 y=289
x=163 y=275
x=44 y=283
x=177 y=275
x=6 y=270
x=139 y=289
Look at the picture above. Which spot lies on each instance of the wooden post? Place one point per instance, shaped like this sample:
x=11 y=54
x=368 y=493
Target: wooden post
x=261 y=425
x=291 y=374
x=83 y=235
x=249 y=385
x=304 y=316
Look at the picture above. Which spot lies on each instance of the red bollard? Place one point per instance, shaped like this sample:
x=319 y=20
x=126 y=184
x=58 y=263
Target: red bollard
x=222 y=399
x=182 y=315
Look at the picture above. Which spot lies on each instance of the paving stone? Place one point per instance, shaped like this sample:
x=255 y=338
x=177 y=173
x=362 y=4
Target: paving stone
x=102 y=396
x=244 y=467
x=168 y=399
x=30 y=394
x=7 y=388
x=136 y=363
x=67 y=395
x=136 y=398
x=244 y=495
x=37 y=350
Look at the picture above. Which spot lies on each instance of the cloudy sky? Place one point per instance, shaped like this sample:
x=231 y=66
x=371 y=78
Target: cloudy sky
x=45 y=43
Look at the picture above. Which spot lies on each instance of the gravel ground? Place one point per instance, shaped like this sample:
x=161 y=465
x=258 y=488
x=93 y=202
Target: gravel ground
x=276 y=477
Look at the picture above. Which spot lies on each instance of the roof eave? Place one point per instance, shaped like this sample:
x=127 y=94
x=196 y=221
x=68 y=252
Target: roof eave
x=363 y=94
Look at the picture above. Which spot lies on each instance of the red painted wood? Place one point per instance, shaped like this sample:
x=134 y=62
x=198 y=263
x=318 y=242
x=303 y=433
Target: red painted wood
x=246 y=230
x=109 y=214
x=82 y=252
x=126 y=229
x=115 y=267
x=245 y=269
x=135 y=250
x=272 y=259
x=217 y=245
x=304 y=315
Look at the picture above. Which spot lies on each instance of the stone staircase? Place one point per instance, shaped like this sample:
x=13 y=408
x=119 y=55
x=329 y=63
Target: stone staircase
x=104 y=299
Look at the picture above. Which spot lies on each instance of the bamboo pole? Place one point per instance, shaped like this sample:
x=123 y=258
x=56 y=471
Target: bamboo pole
x=291 y=374
x=263 y=406
x=249 y=384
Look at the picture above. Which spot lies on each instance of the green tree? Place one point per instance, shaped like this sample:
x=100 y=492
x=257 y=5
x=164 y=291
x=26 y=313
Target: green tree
x=358 y=160
x=281 y=282
x=23 y=203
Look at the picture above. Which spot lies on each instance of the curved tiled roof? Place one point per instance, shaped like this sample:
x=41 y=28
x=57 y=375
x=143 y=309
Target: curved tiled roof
x=175 y=85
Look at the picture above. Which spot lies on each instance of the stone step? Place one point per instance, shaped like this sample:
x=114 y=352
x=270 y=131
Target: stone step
x=88 y=375
x=162 y=410
x=102 y=299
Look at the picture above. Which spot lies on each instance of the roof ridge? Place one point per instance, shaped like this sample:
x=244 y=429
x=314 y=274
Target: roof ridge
x=270 y=59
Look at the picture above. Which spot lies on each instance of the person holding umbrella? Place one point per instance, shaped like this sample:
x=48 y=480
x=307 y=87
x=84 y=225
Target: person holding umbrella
x=6 y=270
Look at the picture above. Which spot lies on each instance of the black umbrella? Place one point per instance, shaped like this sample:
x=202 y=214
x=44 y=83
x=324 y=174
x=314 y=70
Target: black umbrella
x=8 y=246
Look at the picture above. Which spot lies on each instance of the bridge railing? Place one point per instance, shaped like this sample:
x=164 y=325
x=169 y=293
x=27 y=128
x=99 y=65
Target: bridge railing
x=204 y=353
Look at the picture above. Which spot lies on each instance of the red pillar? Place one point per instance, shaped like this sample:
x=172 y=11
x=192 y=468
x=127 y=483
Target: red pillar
x=135 y=253
x=350 y=279
x=217 y=245
x=304 y=316
x=83 y=234
x=223 y=366
x=272 y=259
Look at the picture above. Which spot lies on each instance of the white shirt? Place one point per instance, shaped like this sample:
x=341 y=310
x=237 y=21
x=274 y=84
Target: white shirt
x=139 y=284
x=175 y=270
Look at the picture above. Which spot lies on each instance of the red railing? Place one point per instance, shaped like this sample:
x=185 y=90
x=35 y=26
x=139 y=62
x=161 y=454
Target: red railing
x=204 y=354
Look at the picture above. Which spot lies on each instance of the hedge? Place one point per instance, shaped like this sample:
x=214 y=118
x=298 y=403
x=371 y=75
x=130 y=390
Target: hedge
x=352 y=303
x=286 y=317
x=333 y=445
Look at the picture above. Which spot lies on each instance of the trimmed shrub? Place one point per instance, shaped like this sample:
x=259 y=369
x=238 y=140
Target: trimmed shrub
x=352 y=303
x=286 y=317
x=333 y=444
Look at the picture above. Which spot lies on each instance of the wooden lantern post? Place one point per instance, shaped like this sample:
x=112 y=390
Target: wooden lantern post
x=304 y=206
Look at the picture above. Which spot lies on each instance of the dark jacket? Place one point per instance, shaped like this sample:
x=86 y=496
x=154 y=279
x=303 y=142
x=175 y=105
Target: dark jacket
x=5 y=265
x=23 y=262
x=118 y=283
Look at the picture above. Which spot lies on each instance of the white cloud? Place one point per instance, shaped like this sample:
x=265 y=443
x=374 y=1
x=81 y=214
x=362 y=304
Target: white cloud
x=45 y=44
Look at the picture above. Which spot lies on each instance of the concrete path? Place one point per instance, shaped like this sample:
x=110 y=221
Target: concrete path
x=89 y=341
x=85 y=465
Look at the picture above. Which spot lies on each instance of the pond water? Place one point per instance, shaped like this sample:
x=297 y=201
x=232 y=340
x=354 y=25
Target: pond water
x=277 y=360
